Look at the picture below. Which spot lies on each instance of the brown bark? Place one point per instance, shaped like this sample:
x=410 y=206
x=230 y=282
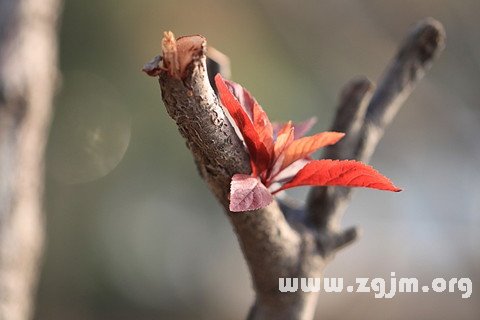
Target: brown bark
x=280 y=241
x=28 y=56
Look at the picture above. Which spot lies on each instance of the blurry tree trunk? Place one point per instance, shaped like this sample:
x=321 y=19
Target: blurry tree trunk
x=28 y=74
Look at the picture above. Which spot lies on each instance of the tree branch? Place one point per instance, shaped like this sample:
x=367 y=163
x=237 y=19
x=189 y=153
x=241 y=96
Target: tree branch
x=369 y=117
x=324 y=203
x=414 y=58
x=281 y=241
x=270 y=245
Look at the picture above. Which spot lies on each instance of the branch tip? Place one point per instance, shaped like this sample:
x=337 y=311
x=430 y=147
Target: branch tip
x=346 y=238
x=177 y=55
x=353 y=102
x=355 y=88
x=428 y=38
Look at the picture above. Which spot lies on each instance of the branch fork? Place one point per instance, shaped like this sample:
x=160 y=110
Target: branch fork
x=283 y=241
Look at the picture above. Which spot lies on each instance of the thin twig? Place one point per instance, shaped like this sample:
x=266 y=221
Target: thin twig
x=426 y=40
x=326 y=202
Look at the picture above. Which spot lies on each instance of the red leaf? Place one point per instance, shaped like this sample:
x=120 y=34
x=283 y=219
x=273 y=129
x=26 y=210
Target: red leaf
x=243 y=96
x=263 y=127
x=259 y=154
x=301 y=128
x=259 y=118
x=289 y=172
x=347 y=173
x=248 y=193
x=305 y=146
x=285 y=137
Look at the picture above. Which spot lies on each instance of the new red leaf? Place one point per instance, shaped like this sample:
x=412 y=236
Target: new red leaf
x=305 y=146
x=301 y=128
x=248 y=193
x=259 y=154
x=289 y=172
x=263 y=127
x=243 y=96
x=285 y=137
x=347 y=173
x=259 y=118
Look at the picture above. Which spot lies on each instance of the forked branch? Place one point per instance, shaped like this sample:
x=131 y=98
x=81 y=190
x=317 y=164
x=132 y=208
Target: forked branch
x=364 y=117
x=286 y=242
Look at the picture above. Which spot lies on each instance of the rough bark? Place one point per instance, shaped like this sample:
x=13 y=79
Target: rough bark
x=28 y=56
x=281 y=241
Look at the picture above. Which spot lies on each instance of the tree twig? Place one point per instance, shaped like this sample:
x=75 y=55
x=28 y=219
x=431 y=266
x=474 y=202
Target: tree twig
x=327 y=202
x=414 y=58
x=370 y=116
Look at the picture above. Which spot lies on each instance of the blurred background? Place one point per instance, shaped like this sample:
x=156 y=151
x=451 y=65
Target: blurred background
x=133 y=232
